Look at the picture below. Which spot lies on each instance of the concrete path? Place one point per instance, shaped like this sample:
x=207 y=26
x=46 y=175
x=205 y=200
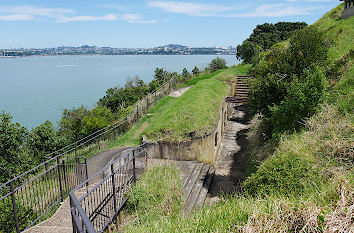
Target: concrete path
x=232 y=161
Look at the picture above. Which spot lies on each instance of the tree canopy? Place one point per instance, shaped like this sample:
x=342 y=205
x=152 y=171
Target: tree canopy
x=265 y=36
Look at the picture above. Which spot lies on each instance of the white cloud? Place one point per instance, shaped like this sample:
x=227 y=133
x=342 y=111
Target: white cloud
x=65 y=19
x=265 y=10
x=16 y=17
x=62 y=15
x=194 y=9
x=36 y=11
x=136 y=18
x=20 y=13
x=274 y=10
x=114 y=6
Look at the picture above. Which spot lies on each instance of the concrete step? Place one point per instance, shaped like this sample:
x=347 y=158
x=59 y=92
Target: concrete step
x=187 y=168
x=241 y=94
x=205 y=189
x=189 y=184
x=242 y=87
x=192 y=198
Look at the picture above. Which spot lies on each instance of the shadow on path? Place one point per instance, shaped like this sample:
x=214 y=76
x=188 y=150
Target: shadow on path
x=232 y=162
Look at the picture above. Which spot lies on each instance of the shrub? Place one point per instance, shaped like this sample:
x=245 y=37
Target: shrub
x=43 y=140
x=301 y=101
x=285 y=174
x=98 y=118
x=12 y=137
x=71 y=123
x=289 y=82
x=7 y=222
x=306 y=49
x=217 y=64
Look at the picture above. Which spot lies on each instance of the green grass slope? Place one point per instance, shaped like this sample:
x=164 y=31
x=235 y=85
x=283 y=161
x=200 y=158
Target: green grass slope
x=307 y=183
x=339 y=34
x=195 y=113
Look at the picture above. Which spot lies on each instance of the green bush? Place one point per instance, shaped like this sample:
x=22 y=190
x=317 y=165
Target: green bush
x=43 y=140
x=99 y=117
x=301 y=101
x=7 y=221
x=217 y=64
x=12 y=138
x=286 y=174
x=264 y=36
x=289 y=82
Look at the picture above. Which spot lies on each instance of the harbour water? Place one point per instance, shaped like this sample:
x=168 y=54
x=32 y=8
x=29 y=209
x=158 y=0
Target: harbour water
x=35 y=89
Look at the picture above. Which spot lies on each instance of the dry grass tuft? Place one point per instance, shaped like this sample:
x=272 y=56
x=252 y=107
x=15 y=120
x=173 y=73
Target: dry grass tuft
x=332 y=134
x=342 y=218
x=283 y=217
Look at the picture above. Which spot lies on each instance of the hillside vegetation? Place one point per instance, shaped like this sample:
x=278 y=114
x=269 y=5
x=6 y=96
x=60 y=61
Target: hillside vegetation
x=194 y=114
x=301 y=178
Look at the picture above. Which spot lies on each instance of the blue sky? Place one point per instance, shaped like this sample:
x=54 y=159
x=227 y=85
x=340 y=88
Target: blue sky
x=144 y=23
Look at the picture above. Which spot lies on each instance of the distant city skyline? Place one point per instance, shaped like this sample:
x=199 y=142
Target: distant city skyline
x=170 y=49
x=145 y=23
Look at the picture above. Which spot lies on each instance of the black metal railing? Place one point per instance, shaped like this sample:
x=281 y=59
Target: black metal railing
x=27 y=198
x=94 y=210
x=30 y=197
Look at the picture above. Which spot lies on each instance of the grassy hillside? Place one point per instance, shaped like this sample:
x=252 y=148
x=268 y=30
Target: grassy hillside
x=195 y=113
x=307 y=183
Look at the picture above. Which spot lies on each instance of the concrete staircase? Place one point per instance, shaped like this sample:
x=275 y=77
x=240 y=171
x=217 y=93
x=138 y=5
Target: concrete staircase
x=242 y=90
x=196 y=186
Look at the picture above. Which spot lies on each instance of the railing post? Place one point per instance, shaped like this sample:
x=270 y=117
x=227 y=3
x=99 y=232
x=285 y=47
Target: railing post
x=75 y=230
x=78 y=170
x=46 y=169
x=14 y=207
x=114 y=193
x=134 y=170
x=64 y=174
x=86 y=174
x=59 y=175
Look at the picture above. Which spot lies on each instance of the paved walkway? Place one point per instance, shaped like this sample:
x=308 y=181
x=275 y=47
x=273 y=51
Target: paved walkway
x=231 y=163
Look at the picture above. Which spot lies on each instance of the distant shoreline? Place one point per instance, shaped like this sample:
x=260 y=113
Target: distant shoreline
x=89 y=55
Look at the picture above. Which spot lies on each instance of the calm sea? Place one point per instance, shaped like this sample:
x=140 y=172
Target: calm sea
x=35 y=89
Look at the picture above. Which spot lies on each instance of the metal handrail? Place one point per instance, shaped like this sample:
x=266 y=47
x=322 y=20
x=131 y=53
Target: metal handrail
x=101 y=204
x=31 y=190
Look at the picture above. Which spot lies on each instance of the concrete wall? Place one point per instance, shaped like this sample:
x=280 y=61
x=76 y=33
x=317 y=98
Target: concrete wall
x=348 y=12
x=203 y=149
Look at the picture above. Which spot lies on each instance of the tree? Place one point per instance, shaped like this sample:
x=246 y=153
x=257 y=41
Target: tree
x=289 y=81
x=247 y=51
x=264 y=36
x=43 y=140
x=98 y=118
x=160 y=75
x=217 y=64
x=195 y=71
x=185 y=74
x=71 y=124
x=12 y=138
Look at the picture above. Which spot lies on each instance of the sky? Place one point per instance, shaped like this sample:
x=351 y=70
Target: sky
x=145 y=23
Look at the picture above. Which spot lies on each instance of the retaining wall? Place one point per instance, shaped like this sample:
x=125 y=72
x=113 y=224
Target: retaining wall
x=203 y=149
